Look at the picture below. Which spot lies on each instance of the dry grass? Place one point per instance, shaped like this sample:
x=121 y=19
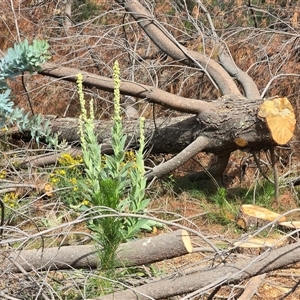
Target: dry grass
x=262 y=52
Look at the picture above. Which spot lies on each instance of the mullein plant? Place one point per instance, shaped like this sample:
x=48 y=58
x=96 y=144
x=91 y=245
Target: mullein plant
x=115 y=185
x=103 y=190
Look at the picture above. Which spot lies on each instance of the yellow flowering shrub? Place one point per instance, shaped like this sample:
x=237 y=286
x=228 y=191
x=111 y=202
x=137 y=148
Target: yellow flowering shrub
x=2 y=174
x=67 y=160
x=67 y=178
x=10 y=199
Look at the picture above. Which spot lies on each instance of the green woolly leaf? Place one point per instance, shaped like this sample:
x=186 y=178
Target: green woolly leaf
x=22 y=57
x=5 y=103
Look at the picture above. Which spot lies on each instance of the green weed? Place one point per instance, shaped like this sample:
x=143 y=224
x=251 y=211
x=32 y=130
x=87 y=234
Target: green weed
x=114 y=184
x=262 y=194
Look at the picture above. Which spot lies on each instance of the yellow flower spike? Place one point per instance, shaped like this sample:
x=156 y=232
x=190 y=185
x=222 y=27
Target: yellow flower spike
x=117 y=82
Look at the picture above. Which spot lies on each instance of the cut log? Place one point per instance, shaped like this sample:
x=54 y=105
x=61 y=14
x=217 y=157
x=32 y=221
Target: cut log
x=256 y=246
x=139 y=252
x=290 y=225
x=41 y=186
x=221 y=275
x=253 y=216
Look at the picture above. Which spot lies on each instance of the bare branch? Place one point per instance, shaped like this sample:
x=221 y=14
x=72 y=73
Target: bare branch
x=249 y=86
x=228 y=273
x=273 y=79
x=194 y=148
x=168 y=44
x=151 y=93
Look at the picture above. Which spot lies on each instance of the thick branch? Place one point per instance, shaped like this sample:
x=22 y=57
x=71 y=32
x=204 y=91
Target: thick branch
x=171 y=165
x=249 y=86
x=153 y=94
x=139 y=252
x=168 y=44
x=226 y=274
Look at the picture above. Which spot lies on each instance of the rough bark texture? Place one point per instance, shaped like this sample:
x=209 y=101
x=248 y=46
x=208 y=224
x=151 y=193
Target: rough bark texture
x=229 y=124
x=139 y=252
x=130 y=88
x=232 y=118
x=226 y=274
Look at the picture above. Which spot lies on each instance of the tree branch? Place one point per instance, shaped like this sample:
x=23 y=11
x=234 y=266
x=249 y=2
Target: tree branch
x=220 y=275
x=168 y=44
x=249 y=86
x=191 y=150
x=153 y=94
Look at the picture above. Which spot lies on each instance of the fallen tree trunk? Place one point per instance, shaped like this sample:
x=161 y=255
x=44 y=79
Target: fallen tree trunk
x=139 y=252
x=225 y=121
x=221 y=126
x=231 y=120
x=206 y=279
x=231 y=123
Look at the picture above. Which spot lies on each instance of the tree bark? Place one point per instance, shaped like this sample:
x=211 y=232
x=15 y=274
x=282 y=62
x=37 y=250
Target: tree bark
x=232 y=118
x=144 y=251
x=129 y=88
x=226 y=274
x=231 y=123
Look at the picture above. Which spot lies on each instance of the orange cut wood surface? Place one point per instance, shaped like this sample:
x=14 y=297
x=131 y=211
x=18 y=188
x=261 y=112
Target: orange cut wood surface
x=252 y=216
x=280 y=117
